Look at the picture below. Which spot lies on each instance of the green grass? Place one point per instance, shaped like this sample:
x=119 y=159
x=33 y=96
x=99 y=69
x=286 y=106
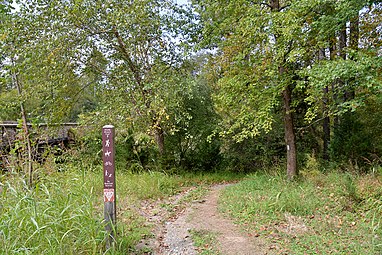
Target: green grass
x=319 y=214
x=205 y=242
x=325 y=214
x=53 y=217
x=63 y=212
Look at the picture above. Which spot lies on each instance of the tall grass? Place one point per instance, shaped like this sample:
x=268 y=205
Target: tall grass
x=322 y=214
x=49 y=219
x=269 y=196
x=62 y=214
x=154 y=185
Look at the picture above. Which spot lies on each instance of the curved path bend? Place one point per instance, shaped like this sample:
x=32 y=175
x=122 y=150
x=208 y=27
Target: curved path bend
x=204 y=216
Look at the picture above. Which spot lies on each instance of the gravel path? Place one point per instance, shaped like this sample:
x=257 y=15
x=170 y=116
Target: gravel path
x=203 y=215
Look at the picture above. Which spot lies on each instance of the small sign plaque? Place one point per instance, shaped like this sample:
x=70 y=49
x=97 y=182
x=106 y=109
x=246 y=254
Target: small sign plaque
x=108 y=195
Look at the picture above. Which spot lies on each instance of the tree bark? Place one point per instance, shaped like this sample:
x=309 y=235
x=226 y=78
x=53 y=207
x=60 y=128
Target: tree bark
x=354 y=33
x=158 y=133
x=290 y=136
x=333 y=53
x=326 y=120
x=326 y=128
x=342 y=42
x=353 y=44
x=159 y=137
x=275 y=5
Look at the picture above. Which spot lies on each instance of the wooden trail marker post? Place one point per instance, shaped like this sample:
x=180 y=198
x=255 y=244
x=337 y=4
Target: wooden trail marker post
x=109 y=194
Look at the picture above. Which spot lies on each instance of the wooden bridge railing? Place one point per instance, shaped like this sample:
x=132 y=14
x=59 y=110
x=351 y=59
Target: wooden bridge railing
x=42 y=133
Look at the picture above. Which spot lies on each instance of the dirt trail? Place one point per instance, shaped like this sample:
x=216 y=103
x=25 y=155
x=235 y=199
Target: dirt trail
x=204 y=215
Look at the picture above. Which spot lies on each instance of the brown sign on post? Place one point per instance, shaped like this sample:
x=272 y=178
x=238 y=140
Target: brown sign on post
x=109 y=194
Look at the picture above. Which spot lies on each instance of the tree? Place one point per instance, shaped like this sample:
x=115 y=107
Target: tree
x=258 y=49
x=116 y=53
x=351 y=72
x=192 y=119
x=267 y=52
x=14 y=75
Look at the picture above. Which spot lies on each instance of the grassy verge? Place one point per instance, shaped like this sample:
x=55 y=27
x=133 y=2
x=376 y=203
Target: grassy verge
x=323 y=214
x=63 y=213
x=205 y=242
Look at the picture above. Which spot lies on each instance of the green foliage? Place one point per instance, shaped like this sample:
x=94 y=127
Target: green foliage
x=248 y=52
x=311 y=168
x=359 y=75
x=129 y=64
x=186 y=105
x=10 y=108
x=261 y=196
x=156 y=185
x=349 y=142
x=253 y=154
x=41 y=64
x=62 y=213
x=192 y=120
x=358 y=138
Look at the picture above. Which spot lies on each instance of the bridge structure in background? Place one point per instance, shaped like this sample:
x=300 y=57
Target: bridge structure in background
x=42 y=135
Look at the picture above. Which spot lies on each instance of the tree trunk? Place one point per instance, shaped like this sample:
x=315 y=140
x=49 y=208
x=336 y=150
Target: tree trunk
x=275 y=5
x=290 y=137
x=353 y=44
x=326 y=121
x=326 y=129
x=354 y=33
x=332 y=50
x=159 y=136
x=342 y=42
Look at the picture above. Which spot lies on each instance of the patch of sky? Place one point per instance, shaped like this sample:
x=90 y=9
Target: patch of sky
x=181 y=2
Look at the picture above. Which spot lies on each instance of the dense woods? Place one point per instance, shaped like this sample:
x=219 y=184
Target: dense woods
x=210 y=85
x=219 y=87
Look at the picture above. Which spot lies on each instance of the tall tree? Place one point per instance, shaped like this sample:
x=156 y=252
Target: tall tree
x=11 y=59
x=259 y=44
x=351 y=72
x=266 y=49
x=122 y=50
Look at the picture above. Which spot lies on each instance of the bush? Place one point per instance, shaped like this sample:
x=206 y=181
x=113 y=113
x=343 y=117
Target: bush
x=358 y=137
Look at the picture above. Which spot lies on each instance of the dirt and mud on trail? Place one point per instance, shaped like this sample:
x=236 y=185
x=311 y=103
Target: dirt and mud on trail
x=173 y=233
